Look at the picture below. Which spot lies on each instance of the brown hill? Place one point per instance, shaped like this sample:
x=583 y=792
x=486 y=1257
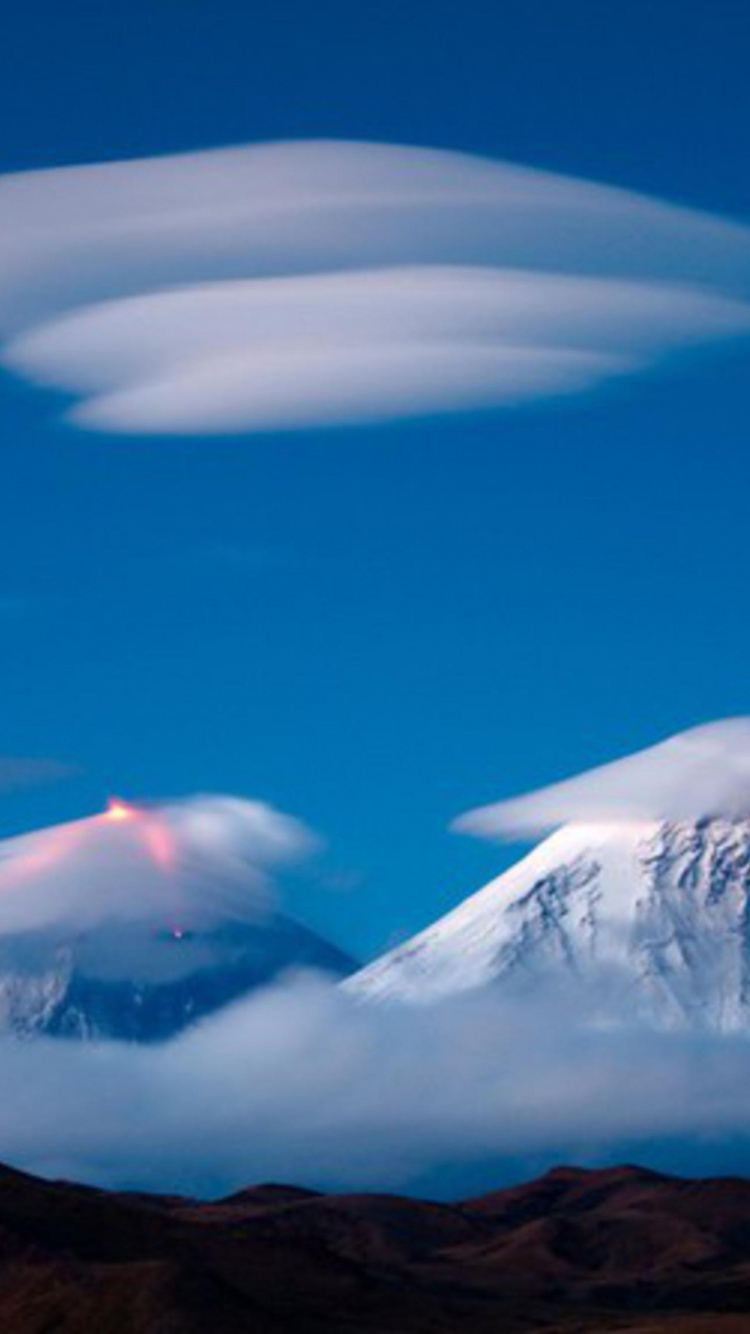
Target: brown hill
x=576 y=1250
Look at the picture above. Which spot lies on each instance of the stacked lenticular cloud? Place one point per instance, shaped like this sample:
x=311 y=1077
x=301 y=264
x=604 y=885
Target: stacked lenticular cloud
x=297 y=285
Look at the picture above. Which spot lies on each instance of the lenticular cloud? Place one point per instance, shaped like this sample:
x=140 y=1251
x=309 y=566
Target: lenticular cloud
x=296 y=285
x=700 y=774
x=202 y=857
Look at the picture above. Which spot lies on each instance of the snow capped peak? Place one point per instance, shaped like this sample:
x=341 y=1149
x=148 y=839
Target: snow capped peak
x=649 y=915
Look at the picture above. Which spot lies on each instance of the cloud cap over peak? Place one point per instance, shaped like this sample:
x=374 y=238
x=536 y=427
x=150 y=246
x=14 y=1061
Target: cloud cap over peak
x=199 y=858
x=699 y=774
x=295 y=285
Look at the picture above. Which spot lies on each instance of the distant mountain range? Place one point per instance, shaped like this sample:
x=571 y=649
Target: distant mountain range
x=653 y=918
x=145 y=982
x=584 y=1251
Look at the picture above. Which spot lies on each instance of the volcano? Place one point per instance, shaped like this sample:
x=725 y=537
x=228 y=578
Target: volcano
x=653 y=917
x=146 y=981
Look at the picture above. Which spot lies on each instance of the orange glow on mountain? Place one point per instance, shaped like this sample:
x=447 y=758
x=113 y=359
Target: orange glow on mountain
x=119 y=810
x=160 y=843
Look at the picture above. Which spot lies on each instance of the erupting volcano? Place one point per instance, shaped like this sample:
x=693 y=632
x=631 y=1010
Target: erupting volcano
x=136 y=922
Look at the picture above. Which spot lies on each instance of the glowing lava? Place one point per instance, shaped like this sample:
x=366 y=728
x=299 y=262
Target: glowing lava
x=160 y=843
x=118 y=810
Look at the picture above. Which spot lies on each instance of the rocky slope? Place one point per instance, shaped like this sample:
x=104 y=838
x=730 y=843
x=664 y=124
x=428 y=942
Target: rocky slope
x=653 y=917
x=145 y=982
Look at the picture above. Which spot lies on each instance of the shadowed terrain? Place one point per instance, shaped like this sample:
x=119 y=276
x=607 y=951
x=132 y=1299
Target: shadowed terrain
x=575 y=1250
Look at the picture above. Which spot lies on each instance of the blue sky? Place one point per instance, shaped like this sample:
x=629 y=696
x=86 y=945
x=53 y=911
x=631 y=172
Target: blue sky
x=376 y=628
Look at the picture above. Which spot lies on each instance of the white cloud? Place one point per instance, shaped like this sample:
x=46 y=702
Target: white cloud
x=698 y=774
x=303 y=284
x=201 y=857
x=299 y=1083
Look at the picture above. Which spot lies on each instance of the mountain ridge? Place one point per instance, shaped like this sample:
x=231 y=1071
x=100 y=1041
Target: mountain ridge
x=579 y=1249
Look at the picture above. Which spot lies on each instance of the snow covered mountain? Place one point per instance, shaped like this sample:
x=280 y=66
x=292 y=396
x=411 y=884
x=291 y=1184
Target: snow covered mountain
x=653 y=916
x=142 y=982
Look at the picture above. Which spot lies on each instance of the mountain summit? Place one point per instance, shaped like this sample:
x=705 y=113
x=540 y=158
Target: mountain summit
x=650 y=915
x=135 y=922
